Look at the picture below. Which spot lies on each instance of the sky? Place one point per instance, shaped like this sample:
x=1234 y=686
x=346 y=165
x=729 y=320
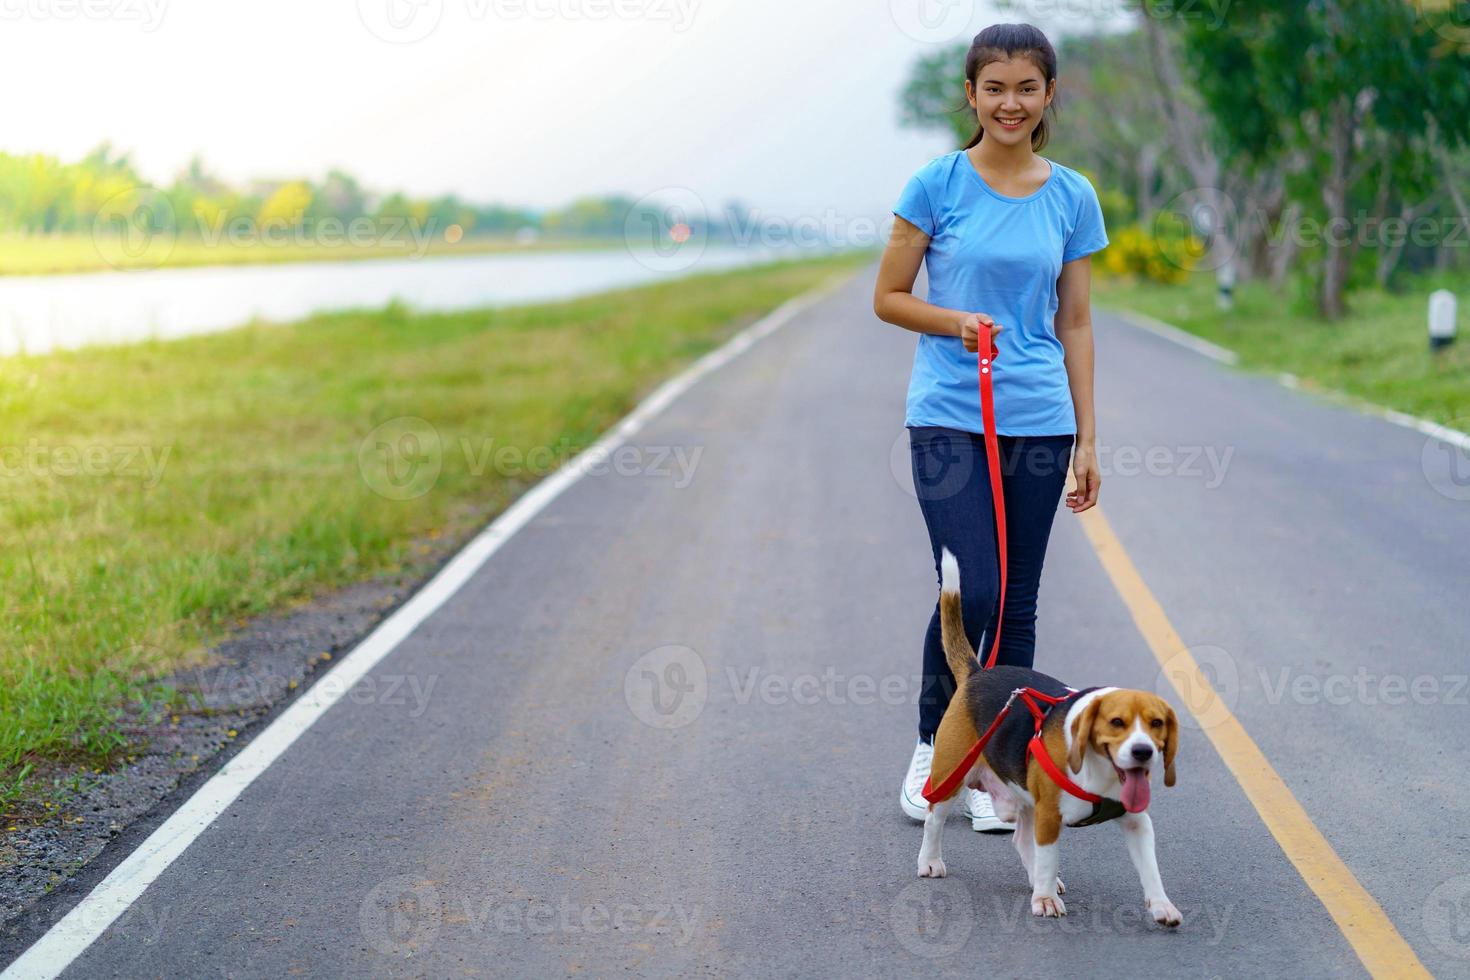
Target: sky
x=790 y=106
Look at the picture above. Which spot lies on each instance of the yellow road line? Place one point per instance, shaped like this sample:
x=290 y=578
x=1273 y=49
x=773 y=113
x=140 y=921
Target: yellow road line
x=1373 y=937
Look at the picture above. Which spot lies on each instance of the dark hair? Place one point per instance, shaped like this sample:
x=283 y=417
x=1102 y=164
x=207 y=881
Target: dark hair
x=1001 y=42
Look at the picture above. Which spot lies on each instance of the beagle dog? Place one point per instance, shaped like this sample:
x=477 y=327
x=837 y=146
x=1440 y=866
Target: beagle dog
x=1107 y=738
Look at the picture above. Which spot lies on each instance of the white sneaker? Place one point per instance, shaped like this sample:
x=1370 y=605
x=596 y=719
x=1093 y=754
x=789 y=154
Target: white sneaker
x=977 y=806
x=911 y=797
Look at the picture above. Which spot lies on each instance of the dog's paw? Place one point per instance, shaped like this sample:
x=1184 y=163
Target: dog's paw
x=932 y=868
x=1048 y=906
x=1164 y=912
x=1061 y=888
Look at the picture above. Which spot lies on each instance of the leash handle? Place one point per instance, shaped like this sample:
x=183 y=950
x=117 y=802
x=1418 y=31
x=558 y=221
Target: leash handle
x=987 y=352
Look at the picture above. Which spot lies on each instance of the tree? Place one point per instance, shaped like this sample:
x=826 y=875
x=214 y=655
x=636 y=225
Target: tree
x=286 y=206
x=1338 y=86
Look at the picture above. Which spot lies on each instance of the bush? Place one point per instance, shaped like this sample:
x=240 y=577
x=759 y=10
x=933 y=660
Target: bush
x=1167 y=254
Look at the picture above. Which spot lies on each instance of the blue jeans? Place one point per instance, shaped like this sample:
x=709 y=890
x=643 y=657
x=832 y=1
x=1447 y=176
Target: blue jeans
x=952 y=480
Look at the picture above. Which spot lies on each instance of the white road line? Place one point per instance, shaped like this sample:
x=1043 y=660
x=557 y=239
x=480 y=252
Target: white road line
x=1181 y=337
x=80 y=927
x=1286 y=379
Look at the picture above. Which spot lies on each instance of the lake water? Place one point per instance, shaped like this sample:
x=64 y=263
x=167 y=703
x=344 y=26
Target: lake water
x=43 y=313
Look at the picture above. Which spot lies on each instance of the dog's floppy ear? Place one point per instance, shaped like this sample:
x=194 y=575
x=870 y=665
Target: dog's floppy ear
x=1171 y=744
x=1082 y=734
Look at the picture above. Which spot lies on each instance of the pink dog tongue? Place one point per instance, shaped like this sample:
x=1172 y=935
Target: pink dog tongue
x=1135 y=790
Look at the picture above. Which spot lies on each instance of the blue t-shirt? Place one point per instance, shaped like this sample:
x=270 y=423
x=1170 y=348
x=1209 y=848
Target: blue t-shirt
x=998 y=255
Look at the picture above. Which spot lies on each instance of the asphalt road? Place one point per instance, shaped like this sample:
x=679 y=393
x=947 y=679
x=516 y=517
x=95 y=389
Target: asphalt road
x=662 y=730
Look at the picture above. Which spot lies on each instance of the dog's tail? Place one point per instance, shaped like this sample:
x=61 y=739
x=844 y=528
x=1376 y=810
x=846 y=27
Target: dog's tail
x=957 y=649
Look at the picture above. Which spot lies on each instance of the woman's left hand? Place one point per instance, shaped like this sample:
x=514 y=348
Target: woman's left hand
x=1084 y=468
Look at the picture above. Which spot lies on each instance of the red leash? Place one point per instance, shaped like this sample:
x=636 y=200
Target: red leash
x=997 y=494
x=1028 y=695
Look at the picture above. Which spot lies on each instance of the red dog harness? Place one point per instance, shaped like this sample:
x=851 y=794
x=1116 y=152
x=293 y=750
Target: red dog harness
x=1029 y=696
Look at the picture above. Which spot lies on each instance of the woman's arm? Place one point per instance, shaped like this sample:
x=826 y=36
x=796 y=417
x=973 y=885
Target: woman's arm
x=894 y=301
x=1073 y=325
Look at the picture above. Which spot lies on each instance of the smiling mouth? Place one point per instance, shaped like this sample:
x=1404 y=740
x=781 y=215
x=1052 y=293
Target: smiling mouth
x=1135 y=794
x=1011 y=124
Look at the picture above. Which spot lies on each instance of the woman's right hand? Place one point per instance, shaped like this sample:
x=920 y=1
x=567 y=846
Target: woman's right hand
x=970 y=324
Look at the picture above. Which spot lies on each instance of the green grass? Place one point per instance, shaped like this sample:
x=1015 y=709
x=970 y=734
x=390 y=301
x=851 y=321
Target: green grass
x=1379 y=352
x=28 y=255
x=260 y=486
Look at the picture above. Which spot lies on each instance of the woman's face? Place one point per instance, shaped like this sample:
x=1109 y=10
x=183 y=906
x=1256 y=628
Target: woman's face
x=1010 y=91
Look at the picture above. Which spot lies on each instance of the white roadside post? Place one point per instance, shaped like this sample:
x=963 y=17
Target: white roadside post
x=1441 y=319
x=1225 y=283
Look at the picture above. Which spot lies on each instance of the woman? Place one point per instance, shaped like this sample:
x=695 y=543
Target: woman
x=1006 y=235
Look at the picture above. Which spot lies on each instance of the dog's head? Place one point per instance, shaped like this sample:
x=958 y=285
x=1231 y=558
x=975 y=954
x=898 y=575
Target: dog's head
x=1130 y=729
